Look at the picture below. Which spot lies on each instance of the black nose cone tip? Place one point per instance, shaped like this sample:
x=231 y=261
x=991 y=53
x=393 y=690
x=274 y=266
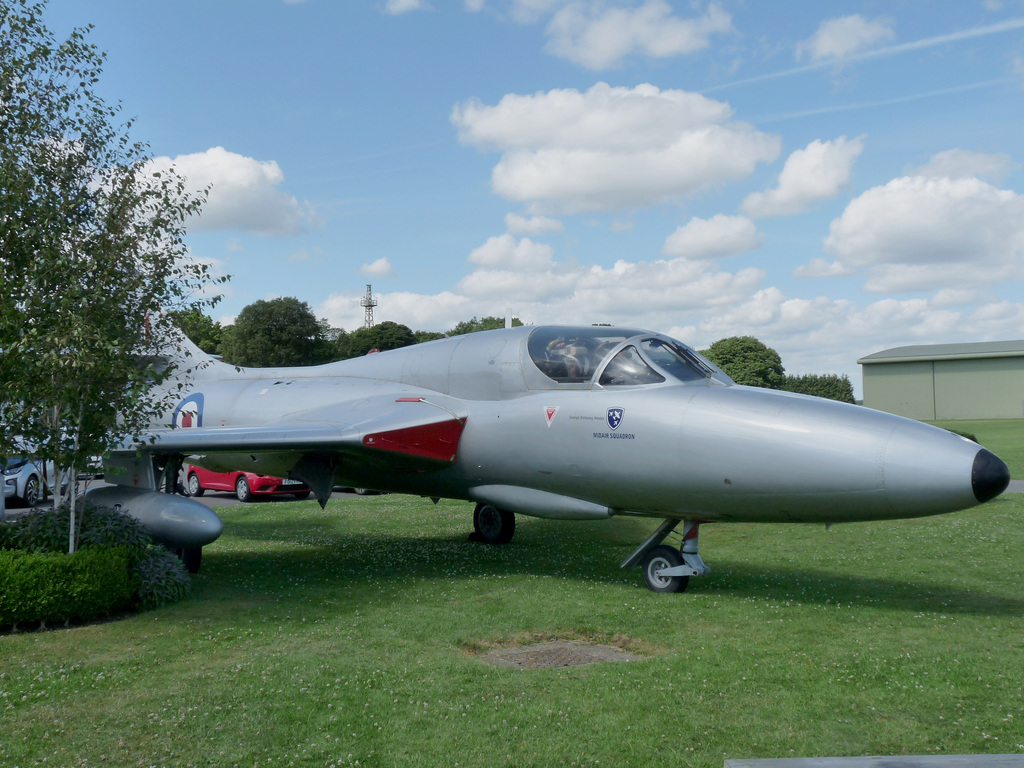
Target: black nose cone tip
x=989 y=476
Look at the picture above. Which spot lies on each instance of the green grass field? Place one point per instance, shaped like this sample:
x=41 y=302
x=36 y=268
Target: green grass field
x=351 y=636
x=1004 y=437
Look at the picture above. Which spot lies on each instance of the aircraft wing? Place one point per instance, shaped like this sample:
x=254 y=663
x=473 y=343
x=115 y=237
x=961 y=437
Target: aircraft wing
x=407 y=432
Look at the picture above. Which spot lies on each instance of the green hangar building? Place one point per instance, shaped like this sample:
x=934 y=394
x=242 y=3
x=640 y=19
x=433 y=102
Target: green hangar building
x=947 y=381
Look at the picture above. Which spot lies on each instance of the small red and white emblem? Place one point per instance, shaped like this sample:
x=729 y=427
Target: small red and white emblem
x=549 y=413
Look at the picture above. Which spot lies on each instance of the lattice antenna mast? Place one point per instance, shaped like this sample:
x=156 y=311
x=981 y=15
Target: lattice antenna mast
x=368 y=303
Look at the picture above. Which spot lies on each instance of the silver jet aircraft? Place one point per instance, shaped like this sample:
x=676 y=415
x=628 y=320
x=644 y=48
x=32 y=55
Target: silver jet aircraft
x=578 y=423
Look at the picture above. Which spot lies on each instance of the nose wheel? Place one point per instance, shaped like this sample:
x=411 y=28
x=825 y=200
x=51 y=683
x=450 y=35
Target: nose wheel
x=668 y=568
x=656 y=563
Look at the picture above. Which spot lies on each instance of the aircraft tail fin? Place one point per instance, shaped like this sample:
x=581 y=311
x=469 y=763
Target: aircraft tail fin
x=179 y=353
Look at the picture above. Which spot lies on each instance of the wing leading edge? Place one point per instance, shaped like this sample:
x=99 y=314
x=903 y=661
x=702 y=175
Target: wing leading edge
x=405 y=433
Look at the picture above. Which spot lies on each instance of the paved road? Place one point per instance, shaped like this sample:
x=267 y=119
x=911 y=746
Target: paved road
x=226 y=499
x=210 y=499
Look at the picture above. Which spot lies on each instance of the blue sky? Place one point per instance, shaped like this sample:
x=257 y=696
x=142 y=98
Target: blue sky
x=834 y=178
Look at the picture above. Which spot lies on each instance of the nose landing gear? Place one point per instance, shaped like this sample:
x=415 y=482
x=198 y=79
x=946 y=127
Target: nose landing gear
x=666 y=568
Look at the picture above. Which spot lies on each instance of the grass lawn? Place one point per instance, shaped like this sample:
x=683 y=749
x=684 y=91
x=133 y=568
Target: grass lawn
x=352 y=636
x=1004 y=437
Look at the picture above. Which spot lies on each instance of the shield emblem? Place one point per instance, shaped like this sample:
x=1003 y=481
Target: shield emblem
x=614 y=417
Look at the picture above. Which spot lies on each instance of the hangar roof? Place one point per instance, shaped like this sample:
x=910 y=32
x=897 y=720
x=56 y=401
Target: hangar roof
x=920 y=353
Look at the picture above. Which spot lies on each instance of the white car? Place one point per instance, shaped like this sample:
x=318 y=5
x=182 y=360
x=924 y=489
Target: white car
x=23 y=480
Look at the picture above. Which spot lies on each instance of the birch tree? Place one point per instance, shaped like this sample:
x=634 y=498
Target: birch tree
x=91 y=253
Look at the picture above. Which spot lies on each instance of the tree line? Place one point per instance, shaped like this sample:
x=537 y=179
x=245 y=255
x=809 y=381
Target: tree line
x=286 y=332
x=749 y=361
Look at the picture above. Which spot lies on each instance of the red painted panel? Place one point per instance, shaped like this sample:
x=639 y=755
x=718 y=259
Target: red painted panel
x=430 y=441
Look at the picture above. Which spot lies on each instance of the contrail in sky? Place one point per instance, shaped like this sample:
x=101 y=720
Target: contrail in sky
x=883 y=102
x=892 y=50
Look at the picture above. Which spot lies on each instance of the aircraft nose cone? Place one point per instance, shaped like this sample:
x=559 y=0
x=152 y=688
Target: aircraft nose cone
x=989 y=475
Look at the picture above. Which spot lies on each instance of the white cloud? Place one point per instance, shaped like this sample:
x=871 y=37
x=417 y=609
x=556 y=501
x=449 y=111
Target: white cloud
x=719 y=237
x=824 y=335
x=610 y=148
x=962 y=163
x=819 y=267
x=917 y=233
x=838 y=38
x=602 y=118
x=694 y=301
x=810 y=175
x=243 y=194
x=532 y=225
x=474 y=5
x=505 y=251
x=398 y=7
x=381 y=268
x=597 y=36
x=523 y=275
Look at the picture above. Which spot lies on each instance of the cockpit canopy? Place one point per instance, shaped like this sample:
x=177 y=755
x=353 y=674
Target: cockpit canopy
x=616 y=356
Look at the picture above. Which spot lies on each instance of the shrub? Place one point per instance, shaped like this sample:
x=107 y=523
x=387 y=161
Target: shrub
x=58 y=588
x=103 y=527
x=7 y=531
x=39 y=581
x=162 y=578
x=100 y=527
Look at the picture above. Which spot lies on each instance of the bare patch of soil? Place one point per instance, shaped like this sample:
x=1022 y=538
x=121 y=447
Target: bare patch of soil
x=560 y=653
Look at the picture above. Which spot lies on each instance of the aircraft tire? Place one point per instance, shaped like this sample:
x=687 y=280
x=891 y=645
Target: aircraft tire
x=194 y=488
x=663 y=556
x=242 y=490
x=492 y=525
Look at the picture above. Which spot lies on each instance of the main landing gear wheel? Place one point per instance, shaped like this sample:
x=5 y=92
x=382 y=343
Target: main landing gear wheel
x=242 y=490
x=658 y=559
x=194 y=488
x=192 y=557
x=492 y=525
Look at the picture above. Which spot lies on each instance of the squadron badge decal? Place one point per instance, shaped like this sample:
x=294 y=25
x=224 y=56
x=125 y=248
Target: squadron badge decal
x=614 y=418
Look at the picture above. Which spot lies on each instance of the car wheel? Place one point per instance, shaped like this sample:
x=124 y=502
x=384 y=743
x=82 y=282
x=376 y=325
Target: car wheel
x=32 y=491
x=194 y=488
x=301 y=495
x=242 y=490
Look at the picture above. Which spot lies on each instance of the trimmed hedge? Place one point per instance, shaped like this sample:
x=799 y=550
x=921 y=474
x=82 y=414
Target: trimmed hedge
x=59 y=588
x=830 y=386
x=116 y=567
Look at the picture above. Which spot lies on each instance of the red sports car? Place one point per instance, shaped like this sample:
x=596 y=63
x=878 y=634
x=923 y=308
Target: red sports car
x=245 y=485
